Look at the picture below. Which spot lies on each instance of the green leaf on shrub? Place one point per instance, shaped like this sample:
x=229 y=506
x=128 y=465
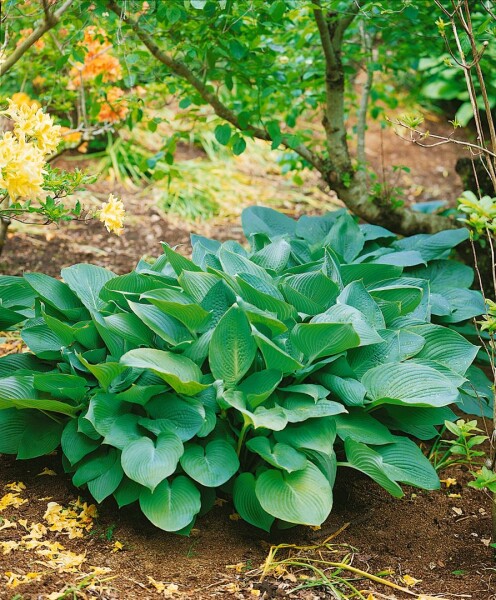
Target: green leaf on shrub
x=172 y=506
x=409 y=383
x=247 y=504
x=233 y=331
x=291 y=496
x=211 y=466
x=279 y=455
x=148 y=462
x=181 y=373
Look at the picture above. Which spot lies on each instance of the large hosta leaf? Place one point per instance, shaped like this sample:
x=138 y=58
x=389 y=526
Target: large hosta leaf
x=303 y=497
x=175 y=303
x=172 y=506
x=370 y=462
x=168 y=328
x=446 y=346
x=28 y=433
x=233 y=332
x=247 y=504
x=57 y=294
x=274 y=356
x=409 y=384
x=265 y=298
x=419 y=422
x=341 y=313
x=259 y=219
x=278 y=455
x=148 y=462
x=259 y=386
x=299 y=408
x=170 y=413
x=211 y=466
x=181 y=373
x=75 y=444
x=317 y=340
x=274 y=418
x=415 y=468
x=86 y=281
x=362 y=427
x=318 y=435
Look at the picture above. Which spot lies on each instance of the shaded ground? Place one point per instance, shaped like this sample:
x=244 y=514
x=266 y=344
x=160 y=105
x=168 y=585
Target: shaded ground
x=435 y=538
x=432 y=537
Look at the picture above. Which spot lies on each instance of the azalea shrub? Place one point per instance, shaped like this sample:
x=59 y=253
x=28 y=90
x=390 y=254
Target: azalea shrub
x=248 y=373
x=29 y=186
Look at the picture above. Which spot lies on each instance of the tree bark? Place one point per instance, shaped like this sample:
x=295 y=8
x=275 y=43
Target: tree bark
x=4 y=225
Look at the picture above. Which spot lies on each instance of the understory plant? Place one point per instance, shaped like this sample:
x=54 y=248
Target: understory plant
x=252 y=373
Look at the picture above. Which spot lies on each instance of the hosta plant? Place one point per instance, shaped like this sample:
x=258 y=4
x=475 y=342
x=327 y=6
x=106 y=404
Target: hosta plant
x=252 y=373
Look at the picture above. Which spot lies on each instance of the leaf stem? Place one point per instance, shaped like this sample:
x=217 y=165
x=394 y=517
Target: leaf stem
x=241 y=438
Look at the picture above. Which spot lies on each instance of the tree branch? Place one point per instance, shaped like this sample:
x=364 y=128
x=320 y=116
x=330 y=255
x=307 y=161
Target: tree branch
x=345 y=21
x=51 y=20
x=325 y=37
x=221 y=110
x=364 y=99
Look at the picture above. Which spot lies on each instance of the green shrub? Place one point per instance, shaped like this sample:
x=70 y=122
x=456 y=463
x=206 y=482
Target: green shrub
x=255 y=373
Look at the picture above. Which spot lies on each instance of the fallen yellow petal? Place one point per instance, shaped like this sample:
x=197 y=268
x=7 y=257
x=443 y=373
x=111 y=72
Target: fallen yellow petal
x=6 y=524
x=11 y=500
x=410 y=581
x=117 y=547
x=158 y=585
x=449 y=481
x=46 y=471
x=16 y=487
x=170 y=590
x=8 y=546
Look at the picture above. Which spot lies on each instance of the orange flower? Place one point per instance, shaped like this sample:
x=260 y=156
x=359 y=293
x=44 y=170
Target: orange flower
x=24 y=34
x=21 y=98
x=69 y=136
x=38 y=81
x=97 y=60
x=114 y=108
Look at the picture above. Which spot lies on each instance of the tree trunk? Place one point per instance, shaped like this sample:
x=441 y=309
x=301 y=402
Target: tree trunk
x=4 y=225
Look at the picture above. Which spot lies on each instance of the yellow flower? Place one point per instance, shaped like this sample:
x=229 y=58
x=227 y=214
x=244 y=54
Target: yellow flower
x=21 y=167
x=30 y=121
x=117 y=546
x=112 y=214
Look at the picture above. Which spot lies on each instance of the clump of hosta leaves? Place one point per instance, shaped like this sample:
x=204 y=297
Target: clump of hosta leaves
x=252 y=373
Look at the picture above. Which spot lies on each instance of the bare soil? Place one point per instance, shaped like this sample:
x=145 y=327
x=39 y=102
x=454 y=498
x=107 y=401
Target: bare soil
x=432 y=537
